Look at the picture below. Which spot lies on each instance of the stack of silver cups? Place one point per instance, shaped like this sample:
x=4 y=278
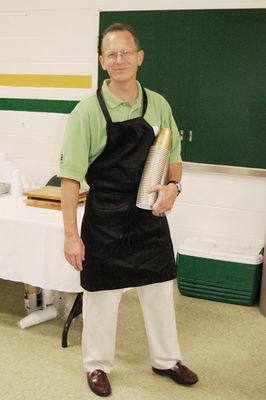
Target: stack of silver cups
x=155 y=169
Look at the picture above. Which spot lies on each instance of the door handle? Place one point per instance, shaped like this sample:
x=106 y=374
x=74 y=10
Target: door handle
x=190 y=136
x=181 y=135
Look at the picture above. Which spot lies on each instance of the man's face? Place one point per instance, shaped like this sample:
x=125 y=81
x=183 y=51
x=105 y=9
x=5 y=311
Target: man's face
x=120 y=57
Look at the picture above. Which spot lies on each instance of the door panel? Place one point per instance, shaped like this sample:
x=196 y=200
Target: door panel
x=225 y=98
x=165 y=38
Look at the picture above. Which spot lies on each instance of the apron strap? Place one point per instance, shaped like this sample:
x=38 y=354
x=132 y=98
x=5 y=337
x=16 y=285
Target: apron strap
x=103 y=106
x=105 y=110
x=145 y=101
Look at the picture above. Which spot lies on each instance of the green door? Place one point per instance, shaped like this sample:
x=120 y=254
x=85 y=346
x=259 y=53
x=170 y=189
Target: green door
x=227 y=107
x=165 y=39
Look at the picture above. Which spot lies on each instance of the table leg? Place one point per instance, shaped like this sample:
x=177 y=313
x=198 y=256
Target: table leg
x=263 y=286
x=75 y=311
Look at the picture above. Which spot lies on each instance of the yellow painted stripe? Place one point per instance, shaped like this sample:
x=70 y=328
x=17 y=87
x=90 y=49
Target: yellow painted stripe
x=52 y=81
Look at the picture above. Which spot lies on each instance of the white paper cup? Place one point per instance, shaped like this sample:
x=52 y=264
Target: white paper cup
x=38 y=317
x=16 y=184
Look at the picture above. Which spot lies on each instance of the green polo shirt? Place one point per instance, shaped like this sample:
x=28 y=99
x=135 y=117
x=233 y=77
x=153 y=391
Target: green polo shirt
x=85 y=135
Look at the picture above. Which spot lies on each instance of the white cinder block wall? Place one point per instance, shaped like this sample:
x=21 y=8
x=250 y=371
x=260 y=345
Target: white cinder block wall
x=220 y=206
x=53 y=37
x=60 y=37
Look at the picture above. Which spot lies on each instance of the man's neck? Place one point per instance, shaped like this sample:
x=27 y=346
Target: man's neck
x=125 y=91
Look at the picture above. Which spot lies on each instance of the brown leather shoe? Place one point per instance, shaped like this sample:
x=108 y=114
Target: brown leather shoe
x=179 y=373
x=99 y=383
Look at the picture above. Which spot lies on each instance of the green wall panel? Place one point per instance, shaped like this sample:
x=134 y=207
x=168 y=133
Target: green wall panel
x=210 y=65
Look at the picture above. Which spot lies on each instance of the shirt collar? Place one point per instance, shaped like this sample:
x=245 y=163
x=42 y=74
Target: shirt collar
x=113 y=101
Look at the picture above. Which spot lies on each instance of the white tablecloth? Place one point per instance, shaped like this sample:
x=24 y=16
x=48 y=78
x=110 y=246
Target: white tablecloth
x=31 y=246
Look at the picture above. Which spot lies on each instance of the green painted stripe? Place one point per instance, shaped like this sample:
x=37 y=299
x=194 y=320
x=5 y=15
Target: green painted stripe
x=36 y=105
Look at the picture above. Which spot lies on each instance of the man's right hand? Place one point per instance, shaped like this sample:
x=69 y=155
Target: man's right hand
x=74 y=251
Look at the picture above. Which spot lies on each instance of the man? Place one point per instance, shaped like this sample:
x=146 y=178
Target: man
x=107 y=140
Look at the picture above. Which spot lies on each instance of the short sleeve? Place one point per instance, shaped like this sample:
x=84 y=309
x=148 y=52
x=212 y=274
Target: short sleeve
x=74 y=156
x=168 y=120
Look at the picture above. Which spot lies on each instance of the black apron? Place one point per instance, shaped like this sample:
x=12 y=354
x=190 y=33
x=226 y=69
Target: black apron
x=124 y=246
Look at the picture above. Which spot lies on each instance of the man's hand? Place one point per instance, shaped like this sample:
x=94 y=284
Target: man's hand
x=165 y=200
x=74 y=251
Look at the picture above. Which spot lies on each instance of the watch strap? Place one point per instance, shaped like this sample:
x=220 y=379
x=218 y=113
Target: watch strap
x=177 y=184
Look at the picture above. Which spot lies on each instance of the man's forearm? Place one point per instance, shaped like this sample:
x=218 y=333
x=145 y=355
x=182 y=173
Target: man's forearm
x=69 y=196
x=175 y=172
x=73 y=248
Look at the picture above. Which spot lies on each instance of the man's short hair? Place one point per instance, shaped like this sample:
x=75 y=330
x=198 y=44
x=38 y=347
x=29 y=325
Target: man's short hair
x=119 y=26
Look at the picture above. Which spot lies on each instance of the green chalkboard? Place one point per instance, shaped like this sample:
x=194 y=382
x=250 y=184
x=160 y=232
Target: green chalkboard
x=210 y=65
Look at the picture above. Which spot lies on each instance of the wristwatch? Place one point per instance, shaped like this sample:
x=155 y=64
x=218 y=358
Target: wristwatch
x=177 y=184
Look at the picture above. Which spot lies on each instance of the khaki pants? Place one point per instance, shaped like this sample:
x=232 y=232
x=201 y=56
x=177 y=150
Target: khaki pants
x=100 y=311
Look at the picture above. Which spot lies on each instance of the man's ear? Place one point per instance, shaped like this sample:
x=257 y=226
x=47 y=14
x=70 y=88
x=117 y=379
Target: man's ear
x=140 y=56
x=102 y=62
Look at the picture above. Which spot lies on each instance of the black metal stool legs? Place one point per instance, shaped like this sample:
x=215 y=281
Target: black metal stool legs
x=75 y=311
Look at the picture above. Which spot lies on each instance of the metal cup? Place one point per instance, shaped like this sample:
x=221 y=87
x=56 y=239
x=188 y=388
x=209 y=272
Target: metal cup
x=155 y=169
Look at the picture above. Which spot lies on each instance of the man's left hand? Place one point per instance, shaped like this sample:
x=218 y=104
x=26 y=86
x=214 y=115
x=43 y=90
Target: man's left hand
x=165 y=200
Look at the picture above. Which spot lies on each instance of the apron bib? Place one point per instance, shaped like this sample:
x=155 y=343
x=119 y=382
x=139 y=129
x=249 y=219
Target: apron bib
x=124 y=246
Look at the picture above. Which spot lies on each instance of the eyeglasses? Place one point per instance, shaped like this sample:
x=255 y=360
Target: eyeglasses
x=124 y=54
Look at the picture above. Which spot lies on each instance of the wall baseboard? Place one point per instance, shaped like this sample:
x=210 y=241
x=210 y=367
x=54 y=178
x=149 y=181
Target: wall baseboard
x=224 y=169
